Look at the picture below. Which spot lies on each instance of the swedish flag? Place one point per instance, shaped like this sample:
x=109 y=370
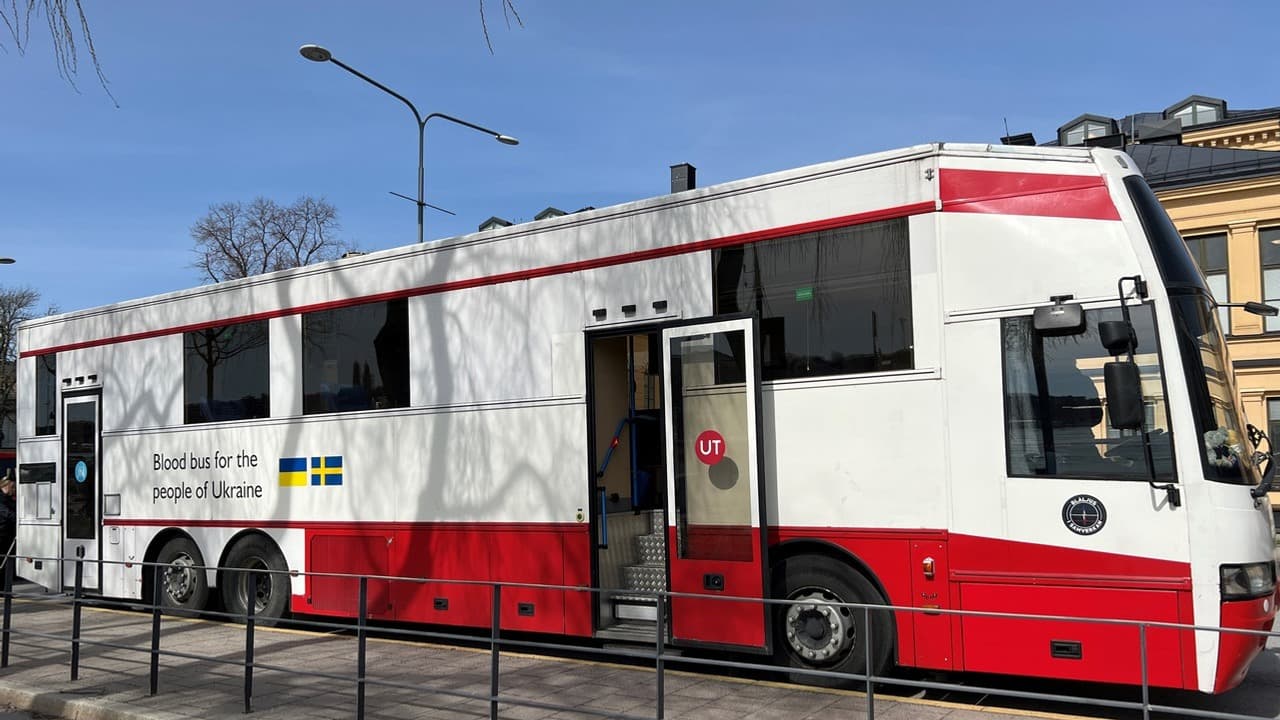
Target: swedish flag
x=326 y=470
x=293 y=472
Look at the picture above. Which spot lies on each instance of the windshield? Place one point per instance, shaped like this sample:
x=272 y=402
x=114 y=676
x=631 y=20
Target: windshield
x=1226 y=457
x=1204 y=356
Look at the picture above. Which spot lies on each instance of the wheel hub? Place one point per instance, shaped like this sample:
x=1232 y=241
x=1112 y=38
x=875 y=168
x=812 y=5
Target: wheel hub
x=180 y=578
x=261 y=590
x=816 y=630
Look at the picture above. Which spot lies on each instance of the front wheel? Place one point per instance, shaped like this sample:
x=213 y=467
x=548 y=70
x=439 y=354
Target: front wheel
x=814 y=632
x=184 y=584
x=268 y=589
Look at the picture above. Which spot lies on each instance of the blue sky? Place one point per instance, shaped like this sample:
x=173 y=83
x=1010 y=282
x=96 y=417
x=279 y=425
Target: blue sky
x=215 y=104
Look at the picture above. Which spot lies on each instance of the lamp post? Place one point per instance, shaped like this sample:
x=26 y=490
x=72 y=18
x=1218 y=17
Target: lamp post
x=316 y=53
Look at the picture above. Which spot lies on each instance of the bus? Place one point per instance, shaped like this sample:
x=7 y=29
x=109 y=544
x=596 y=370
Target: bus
x=952 y=377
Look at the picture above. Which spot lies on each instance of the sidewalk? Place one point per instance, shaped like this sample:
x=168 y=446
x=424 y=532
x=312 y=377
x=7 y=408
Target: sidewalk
x=114 y=683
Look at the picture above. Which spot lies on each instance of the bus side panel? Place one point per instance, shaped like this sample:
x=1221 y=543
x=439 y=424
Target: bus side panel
x=1087 y=651
x=448 y=554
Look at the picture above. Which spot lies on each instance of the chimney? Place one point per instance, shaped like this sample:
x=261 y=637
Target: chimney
x=1020 y=139
x=683 y=177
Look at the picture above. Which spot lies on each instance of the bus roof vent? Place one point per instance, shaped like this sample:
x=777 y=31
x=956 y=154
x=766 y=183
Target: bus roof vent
x=683 y=177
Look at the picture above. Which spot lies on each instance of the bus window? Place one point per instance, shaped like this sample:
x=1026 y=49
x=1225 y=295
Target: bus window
x=356 y=358
x=831 y=302
x=226 y=373
x=46 y=394
x=1055 y=403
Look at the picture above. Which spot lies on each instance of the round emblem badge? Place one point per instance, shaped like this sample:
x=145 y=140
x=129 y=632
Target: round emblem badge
x=1084 y=514
x=82 y=471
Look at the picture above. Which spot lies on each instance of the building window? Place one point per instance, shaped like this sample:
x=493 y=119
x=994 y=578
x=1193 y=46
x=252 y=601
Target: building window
x=830 y=303
x=356 y=358
x=1269 y=239
x=1273 y=423
x=226 y=373
x=47 y=394
x=1055 y=403
x=1210 y=253
x=1196 y=113
x=1077 y=134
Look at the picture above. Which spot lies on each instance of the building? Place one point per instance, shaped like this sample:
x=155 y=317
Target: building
x=1217 y=172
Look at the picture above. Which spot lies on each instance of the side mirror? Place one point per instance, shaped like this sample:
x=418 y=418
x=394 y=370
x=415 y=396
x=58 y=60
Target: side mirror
x=1262 y=309
x=1059 y=319
x=1117 y=336
x=1124 y=395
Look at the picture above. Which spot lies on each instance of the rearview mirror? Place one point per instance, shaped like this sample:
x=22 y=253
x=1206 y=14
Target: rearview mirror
x=1059 y=319
x=1117 y=336
x=1263 y=309
x=1124 y=395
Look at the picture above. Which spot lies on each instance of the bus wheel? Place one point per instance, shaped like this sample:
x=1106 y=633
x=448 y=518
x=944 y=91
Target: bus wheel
x=184 y=584
x=814 y=634
x=269 y=591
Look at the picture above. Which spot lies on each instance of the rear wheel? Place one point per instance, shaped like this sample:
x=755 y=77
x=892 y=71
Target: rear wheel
x=184 y=584
x=268 y=588
x=815 y=633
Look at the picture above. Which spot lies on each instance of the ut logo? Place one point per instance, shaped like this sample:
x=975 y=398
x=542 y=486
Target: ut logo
x=710 y=447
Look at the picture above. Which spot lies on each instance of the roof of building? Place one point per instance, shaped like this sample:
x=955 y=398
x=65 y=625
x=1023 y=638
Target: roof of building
x=1167 y=167
x=549 y=212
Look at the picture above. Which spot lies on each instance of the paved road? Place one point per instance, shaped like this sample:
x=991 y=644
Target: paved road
x=113 y=682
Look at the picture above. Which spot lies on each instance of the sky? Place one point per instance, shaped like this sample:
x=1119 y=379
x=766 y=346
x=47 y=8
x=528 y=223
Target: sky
x=216 y=105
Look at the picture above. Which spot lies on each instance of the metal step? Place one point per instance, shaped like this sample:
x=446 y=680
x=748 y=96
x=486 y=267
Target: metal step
x=645 y=577
x=636 y=631
x=658 y=522
x=652 y=549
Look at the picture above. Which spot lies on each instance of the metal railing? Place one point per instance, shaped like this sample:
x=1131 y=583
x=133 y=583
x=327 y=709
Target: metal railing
x=657 y=654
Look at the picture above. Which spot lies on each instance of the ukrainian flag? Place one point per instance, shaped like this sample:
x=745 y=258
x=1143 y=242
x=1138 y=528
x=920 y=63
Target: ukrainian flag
x=293 y=472
x=326 y=470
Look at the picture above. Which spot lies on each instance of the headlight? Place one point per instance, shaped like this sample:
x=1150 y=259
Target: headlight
x=1241 y=582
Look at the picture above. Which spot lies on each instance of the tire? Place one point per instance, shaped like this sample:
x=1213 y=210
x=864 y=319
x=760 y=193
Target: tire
x=184 y=583
x=815 y=635
x=270 y=591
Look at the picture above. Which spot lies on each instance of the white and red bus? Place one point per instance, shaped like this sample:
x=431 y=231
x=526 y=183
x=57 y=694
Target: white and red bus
x=948 y=377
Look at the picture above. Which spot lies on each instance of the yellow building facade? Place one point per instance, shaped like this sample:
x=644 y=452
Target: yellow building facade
x=1247 y=213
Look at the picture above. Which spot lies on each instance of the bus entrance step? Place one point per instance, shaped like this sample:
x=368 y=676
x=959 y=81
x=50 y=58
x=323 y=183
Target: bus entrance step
x=635 y=607
x=640 y=650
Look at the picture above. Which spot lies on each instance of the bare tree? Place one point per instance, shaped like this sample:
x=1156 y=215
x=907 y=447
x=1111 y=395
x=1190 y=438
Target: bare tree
x=68 y=28
x=235 y=240
x=508 y=12
x=16 y=305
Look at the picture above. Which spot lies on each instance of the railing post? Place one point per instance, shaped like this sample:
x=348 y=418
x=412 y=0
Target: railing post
x=494 y=633
x=1146 y=691
x=661 y=664
x=8 y=610
x=867 y=641
x=360 y=646
x=77 y=591
x=156 y=591
x=250 y=601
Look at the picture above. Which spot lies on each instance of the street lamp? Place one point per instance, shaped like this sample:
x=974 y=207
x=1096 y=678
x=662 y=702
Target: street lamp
x=316 y=53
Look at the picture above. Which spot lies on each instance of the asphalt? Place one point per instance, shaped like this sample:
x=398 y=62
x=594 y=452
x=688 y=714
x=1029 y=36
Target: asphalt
x=313 y=676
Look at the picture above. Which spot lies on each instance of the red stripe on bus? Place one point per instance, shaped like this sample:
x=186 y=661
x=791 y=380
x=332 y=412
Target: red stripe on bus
x=972 y=573
x=1007 y=193
x=529 y=274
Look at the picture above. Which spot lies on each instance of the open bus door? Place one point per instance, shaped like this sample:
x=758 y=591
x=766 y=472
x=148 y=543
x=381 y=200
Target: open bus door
x=715 y=504
x=82 y=506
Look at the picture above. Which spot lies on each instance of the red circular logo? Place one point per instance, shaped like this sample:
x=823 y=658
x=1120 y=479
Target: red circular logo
x=709 y=447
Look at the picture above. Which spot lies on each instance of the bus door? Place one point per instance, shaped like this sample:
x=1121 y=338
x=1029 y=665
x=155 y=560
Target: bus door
x=715 y=504
x=81 y=494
